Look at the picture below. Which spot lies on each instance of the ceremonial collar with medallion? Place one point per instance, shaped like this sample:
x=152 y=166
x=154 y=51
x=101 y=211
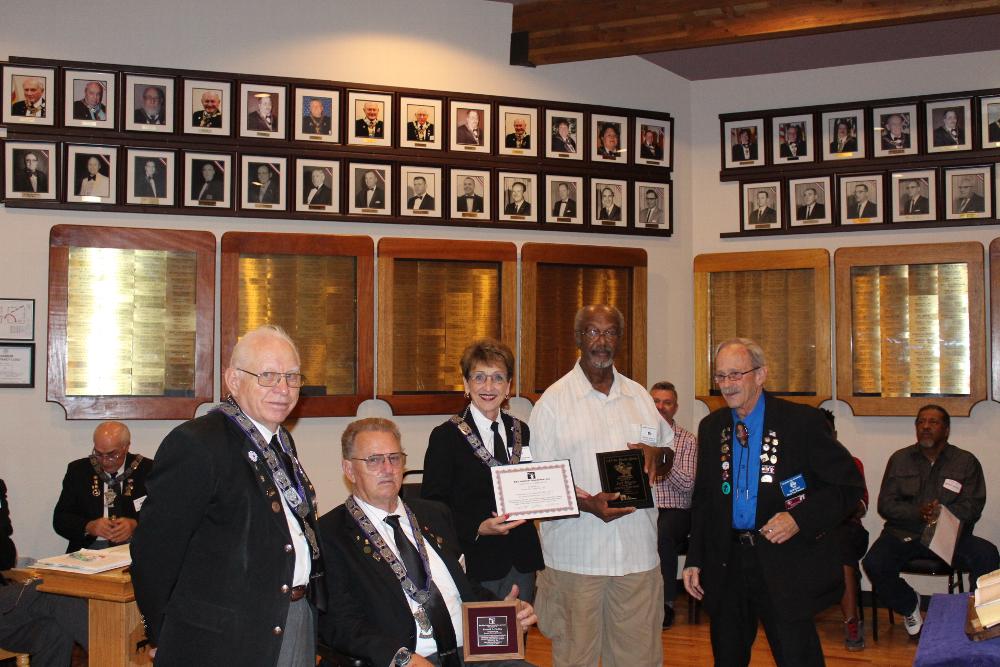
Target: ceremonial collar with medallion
x=461 y=422
x=117 y=480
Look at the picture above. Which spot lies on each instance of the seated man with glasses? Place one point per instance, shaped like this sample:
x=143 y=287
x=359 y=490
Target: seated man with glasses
x=396 y=583
x=102 y=493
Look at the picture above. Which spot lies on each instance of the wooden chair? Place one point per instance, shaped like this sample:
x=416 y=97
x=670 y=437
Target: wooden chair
x=23 y=659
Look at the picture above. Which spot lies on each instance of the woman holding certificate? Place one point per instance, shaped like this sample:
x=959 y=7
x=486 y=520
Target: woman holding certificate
x=498 y=553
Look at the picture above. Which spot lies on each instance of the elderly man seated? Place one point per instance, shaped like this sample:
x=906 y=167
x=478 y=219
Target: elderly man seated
x=396 y=585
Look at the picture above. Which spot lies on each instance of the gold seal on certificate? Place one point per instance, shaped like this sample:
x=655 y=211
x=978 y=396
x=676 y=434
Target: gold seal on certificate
x=624 y=472
x=536 y=490
x=490 y=632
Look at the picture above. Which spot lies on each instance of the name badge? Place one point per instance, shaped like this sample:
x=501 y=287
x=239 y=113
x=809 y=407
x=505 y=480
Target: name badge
x=952 y=485
x=793 y=485
x=648 y=435
x=526 y=454
x=138 y=503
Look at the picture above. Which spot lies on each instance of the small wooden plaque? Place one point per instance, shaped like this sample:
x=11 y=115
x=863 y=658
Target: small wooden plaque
x=490 y=631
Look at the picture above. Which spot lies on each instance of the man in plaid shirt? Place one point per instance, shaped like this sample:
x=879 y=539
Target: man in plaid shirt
x=673 y=496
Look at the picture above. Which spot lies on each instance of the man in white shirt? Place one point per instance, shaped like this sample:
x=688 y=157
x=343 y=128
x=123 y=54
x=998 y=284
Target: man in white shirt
x=397 y=584
x=600 y=596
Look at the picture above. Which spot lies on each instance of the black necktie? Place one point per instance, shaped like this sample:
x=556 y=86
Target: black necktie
x=407 y=553
x=499 y=449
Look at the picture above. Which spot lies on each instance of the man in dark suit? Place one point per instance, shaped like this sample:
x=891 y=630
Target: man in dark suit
x=263 y=119
x=394 y=600
x=211 y=187
x=369 y=125
x=794 y=146
x=263 y=189
x=844 y=142
x=810 y=208
x=419 y=129
x=518 y=205
x=744 y=150
x=469 y=132
x=316 y=121
x=151 y=110
x=30 y=178
x=565 y=206
x=226 y=563
x=317 y=192
x=153 y=180
x=894 y=136
x=91 y=107
x=561 y=141
x=469 y=200
x=993 y=132
x=916 y=203
x=609 y=209
x=650 y=149
x=652 y=212
x=420 y=201
x=968 y=201
x=763 y=213
x=33 y=105
x=211 y=113
x=519 y=138
x=859 y=206
x=949 y=133
x=771 y=483
x=103 y=493
x=372 y=195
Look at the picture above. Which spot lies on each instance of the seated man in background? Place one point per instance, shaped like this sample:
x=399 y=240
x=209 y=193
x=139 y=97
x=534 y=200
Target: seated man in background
x=102 y=494
x=40 y=624
x=918 y=481
x=394 y=600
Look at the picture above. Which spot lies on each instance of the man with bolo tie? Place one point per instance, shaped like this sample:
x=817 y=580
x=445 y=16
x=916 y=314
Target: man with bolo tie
x=771 y=484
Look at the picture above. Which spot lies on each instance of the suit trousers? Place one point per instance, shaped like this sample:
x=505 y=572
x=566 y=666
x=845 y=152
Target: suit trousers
x=298 y=641
x=746 y=602
x=672 y=527
x=617 y=620
x=525 y=584
x=42 y=624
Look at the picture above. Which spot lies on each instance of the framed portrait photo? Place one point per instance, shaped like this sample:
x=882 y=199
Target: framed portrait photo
x=420 y=122
x=968 y=193
x=914 y=195
x=470 y=126
x=518 y=197
x=861 y=199
x=31 y=171
x=28 y=94
x=893 y=130
x=264 y=182
x=564 y=132
x=989 y=121
x=810 y=201
x=760 y=206
x=317 y=115
x=652 y=142
x=208 y=180
x=744 y=141
x=263 y=111
x=564 y=197
x=91 y=174
x=949 y=125
x=843 y=134
x=318 y=186
x=793 y=139
x=606 y=134
x=206 y=107
x=608 y=203
x=89 y=100
x=371 y=188
x=420 y=191
x=150 y=177
x=470 y=194
x=149 y=103
x=652 y=205
x=370 y=117
x=518 y=127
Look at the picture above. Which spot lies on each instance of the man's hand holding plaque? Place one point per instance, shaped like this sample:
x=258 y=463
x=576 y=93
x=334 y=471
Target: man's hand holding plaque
x=624 y=473
x=598 y=505
x=495 y=630
x=658 y=460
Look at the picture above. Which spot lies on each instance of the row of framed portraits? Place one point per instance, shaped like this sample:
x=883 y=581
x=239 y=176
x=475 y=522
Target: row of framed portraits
x=111 y=100
x=892 y=130
x=110 y=175
x=924 y=195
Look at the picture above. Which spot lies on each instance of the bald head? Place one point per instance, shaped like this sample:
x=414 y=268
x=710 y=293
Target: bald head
x=242 y=352
x=111 y=443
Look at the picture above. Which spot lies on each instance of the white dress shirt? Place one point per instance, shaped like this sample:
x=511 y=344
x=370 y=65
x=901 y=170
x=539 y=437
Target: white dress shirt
x=439 y=572
x=574 y=421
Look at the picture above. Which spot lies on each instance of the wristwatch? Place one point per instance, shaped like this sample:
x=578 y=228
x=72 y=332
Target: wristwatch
x=402 y=658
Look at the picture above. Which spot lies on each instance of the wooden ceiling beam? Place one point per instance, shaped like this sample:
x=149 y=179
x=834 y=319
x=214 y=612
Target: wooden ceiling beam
x=572 y=30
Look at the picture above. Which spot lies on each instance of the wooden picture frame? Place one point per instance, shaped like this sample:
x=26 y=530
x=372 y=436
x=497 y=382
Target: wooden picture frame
x=758 y=212
x=792 y=139
x=18 y=111
x=861 y=199
x=914 y=195
x=478 y=185
x=40 y=159
x=606 y=138
x=326 y=197
x=565 y=134
x=262 y=111
x=90 y=99
x=654 y=212
x=421 y=122
x=560 y=209
x=737 y=153
x=149 y=177
x=518 y=196
x=380 y=201
x=894 y=131
x=810 y=201
x=208 y=107
x=948 y=125
x=323 y=128
x=609 y=202
x=968 y=193
x=370 y=118
x=415 y=202
x=91 y=174
x=470 y=126
x=208 y=180
x=263 y=182
x=844 y=134
x=149 y=103
x=659 y=151
x=518 y=129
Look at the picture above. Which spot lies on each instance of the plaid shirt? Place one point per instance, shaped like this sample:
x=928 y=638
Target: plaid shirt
x=675 y=489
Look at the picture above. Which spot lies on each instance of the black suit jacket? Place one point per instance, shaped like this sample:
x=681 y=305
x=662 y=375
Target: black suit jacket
x=324 y=196
x=737 y=152
x=8 y=553
x=426 y=204
x=514 y=209
x=324 y=125
x=651 y=152
x=890 y=145
x=212 y=122
x=258 y=124
x=361 y=129
x=213 y=193
x=942 y=137
x=378 y=199
x=614 y=214
x=560 y=146
x=994 y=131
x=920 y=205
x=411 y=132
x=803 y=575
x=78 y=505
x=510 y=141
x=976 y=204
x=269 y=196
x=143 y=189
x=22 y=184
x=454 y=475
x=213 y=552
x=870 y=210
x=463 y=135
x=82 y=112
x=570 y=207
x=850 y=146
x=140 y=117
x=800 y=147
x=477 y=204
x=21 y=108
x=819 y=211
x=368 y=616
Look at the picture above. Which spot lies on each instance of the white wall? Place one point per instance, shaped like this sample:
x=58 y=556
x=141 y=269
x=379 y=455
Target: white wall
x=716 y=210
x=459 y=45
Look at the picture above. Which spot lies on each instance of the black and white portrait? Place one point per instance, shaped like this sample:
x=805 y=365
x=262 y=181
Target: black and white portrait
x=519 y=197
x=263 y=182
x=914 y=196
x=318 y=188
x=949 y=125
x=30 y=171
x=208 y=180
x=608 y=202
x=861 y=200
x=150 y=180
x=968 y=193
x=761 y=205
x=371 y=188
x=92 y=174
x=809 y=201
x=420 y=191
x=470 y=194
x=564 y=196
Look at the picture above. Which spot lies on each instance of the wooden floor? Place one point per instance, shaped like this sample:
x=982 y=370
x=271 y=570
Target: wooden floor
x=688 y=645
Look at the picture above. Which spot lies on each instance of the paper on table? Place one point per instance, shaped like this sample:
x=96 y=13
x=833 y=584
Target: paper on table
x=88 y=561
x=945 y=535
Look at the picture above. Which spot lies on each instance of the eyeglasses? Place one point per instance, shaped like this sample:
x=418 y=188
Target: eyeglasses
x=110 y=456
x=593 y=333
x=271 y=379
x=375 y=461
x=735 y=376
x=481 y=378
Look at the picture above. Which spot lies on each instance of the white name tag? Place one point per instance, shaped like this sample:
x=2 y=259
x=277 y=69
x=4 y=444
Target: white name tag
x=138 y=503
x=952 y=485
x=648 y=435
x=526 y=454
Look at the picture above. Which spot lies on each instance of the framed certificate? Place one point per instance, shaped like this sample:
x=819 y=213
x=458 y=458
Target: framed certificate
x=17 y=365
x=536 y=490
x=490 y=632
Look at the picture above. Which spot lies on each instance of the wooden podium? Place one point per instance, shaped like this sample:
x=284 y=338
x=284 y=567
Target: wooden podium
x=115 y=626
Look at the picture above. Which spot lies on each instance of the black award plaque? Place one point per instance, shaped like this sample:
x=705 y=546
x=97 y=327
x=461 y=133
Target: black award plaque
x=623 y=472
